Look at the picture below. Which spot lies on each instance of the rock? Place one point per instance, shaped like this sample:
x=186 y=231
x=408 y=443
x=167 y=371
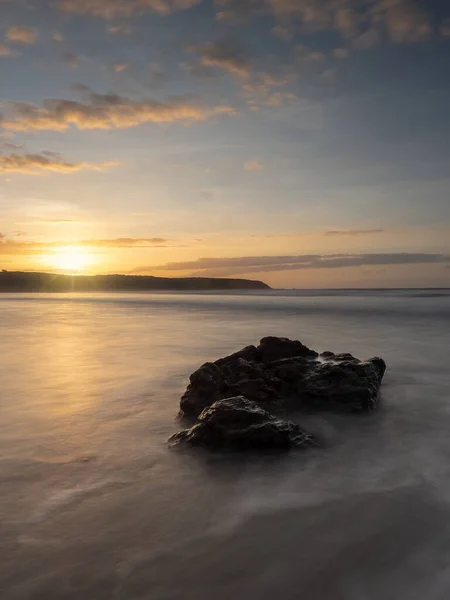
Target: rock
x=284 y=374
x=209 y=385
x=239 y=423
x=274 y=348
x=346 y=384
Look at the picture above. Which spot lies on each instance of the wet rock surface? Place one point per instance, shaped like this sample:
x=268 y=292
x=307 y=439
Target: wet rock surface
x=238 y=423
x=236 y=397
x=282 y=374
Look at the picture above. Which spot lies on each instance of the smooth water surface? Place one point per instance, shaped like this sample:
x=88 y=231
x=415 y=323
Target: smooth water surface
x=93 y=505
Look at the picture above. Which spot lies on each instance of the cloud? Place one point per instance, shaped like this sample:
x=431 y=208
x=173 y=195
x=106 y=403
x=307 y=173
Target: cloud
x=341 y=53
x=33 y=164
x=347 y=22
x=240 y=9
x=121 y=66
x=126 y=243
x=224 y=54
x=112 y=9
x=71 y=60
x=6 y=50
x=403 y=20
x=57 y=221
x=12 y=247
x=329 y=76
x=366 y=40
x=253 y=165
x=19 y=34
x=283 y=32
x=353 y=232
x=104 y=111
x=224 y=267
x=330 y=233
x=123 y=29
x=305 y=54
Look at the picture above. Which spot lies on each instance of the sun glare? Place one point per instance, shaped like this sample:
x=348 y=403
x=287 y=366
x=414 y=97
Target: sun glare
x=70 y=259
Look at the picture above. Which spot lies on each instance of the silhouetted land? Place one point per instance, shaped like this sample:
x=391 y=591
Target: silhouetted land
x=19 y=281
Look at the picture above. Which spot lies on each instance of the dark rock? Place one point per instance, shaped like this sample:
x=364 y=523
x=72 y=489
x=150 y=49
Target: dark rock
x=209 y=385
x=239 y=423
x=341 y=357
x=274 y=348
x=282 y=373
x=249 y=353
x=346 y=385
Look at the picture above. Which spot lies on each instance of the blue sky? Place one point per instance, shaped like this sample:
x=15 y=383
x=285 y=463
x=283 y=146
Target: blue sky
x=146 y=136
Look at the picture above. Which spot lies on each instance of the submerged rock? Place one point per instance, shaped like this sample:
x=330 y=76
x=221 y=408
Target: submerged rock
x=239 y=423
x=283 y=374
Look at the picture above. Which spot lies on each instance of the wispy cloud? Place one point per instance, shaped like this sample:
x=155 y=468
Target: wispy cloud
x=225 y=54
x=5 y=50
x=366 y=40
x=71 y=60
x=111 y=9
x=121 y=66
x=126 y=243
x=13 y=247
x=104 y=111
x=345 y=232
x=329 y=233
x=253 y=165
x=34 y=164
x=223 y=267
x=403 y=20
x=19 y=34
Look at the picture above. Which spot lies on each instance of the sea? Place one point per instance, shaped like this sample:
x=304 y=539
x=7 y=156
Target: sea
x=95 y=506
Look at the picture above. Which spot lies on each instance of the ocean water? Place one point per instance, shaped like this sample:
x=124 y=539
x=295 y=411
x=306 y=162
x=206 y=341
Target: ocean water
x=93 y=504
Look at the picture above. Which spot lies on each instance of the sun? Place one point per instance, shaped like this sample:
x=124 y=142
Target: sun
x=71 y=259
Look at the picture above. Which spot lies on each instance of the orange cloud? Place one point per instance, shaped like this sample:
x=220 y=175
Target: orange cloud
x=33 y=164
x=19 y=34
x=253 y=165
x=5 y=50
x=104 y=111
x=224 y=54
x=111 y=9
x=13 y=247
x=121 y=66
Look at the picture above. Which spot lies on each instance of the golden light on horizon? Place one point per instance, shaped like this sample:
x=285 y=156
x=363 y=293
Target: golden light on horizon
x=71 y=259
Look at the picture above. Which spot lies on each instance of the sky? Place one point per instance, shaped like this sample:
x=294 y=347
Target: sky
x=305 y=143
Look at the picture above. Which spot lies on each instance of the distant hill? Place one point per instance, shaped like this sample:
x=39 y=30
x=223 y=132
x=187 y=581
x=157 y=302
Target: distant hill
x=20 y=281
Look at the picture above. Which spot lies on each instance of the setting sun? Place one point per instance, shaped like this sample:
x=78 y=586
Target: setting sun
x=70 y=259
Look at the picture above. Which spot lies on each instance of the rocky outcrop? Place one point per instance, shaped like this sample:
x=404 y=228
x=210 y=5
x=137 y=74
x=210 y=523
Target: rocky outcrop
x=238 y=423
x=283 y=374
x=235 y=397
